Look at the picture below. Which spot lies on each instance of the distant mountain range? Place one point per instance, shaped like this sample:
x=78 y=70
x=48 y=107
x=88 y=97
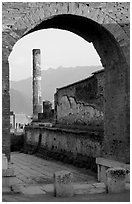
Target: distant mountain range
x=19 y=103
x=21 y=91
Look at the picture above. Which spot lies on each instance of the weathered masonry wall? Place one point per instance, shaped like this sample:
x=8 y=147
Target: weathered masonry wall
x=78 y=146
x=81 y=103
x=5 y=110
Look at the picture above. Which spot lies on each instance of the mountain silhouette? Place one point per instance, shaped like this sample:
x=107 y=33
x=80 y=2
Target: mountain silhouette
x=19 y=103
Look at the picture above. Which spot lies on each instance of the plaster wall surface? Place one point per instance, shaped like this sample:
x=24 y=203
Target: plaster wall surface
x=77 y=145
x=81 y=103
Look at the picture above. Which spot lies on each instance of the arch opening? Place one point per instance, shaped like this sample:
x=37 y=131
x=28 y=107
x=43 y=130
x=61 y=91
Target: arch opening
x=116 y=78
x=116 y=84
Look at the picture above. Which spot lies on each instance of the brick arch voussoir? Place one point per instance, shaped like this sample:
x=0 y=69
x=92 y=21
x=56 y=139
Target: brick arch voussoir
x=36 y=16
x=113 y=25
x=96 y=12
x=9 y=38
x=120 y=35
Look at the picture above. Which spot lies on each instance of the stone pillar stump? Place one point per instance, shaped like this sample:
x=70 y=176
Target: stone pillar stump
x=116 y=178
x=63 y=186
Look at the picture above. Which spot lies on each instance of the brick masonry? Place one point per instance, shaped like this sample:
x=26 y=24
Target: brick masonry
x=109 y=31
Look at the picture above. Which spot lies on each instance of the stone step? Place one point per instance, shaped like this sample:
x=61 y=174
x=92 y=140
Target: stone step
x=79 y=189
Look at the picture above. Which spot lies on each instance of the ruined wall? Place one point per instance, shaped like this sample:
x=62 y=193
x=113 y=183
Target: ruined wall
x=77 y=146
x=5 y=110
x=81 y=103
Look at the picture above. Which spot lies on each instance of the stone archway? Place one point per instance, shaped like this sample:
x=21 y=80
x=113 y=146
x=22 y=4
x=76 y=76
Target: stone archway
x=106 y=25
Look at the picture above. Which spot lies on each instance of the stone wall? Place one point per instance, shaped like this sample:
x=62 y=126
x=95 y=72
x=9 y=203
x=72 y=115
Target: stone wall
x=81 y=103
x=80 y=147
x=5 y=111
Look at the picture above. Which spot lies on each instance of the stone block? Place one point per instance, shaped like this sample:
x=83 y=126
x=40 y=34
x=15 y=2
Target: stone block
x=8 y=172
x=127 y=186
x=103 y=174
x=32 y=190
x=99 y=172
x=81 y=189
x=16 y=188
x=63 y=186
x=8 y=176
x=4 y=162
x=128 y=177
x=6 y=189
x=116 y=179
x=103 y=164
x=110 y=163
x=9 y=181
x=48 y=188
x=5 y=182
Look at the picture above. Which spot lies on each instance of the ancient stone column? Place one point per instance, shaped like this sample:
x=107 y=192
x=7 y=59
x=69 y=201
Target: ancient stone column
x=37 y=99
x=116 y=178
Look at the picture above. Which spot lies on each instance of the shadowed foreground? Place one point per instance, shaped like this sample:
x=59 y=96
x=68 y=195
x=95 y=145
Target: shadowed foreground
x=35 y=179
x=124 y=197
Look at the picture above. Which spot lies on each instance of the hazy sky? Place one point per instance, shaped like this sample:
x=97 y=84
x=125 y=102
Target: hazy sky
x=58 y=48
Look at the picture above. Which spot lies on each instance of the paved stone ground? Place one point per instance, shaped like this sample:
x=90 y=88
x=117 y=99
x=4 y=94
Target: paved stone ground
x=30 y=169
x=35 y=179
x=103 y=197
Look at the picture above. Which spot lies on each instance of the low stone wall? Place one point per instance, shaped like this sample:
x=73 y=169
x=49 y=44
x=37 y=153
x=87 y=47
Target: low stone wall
x=78 y=147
